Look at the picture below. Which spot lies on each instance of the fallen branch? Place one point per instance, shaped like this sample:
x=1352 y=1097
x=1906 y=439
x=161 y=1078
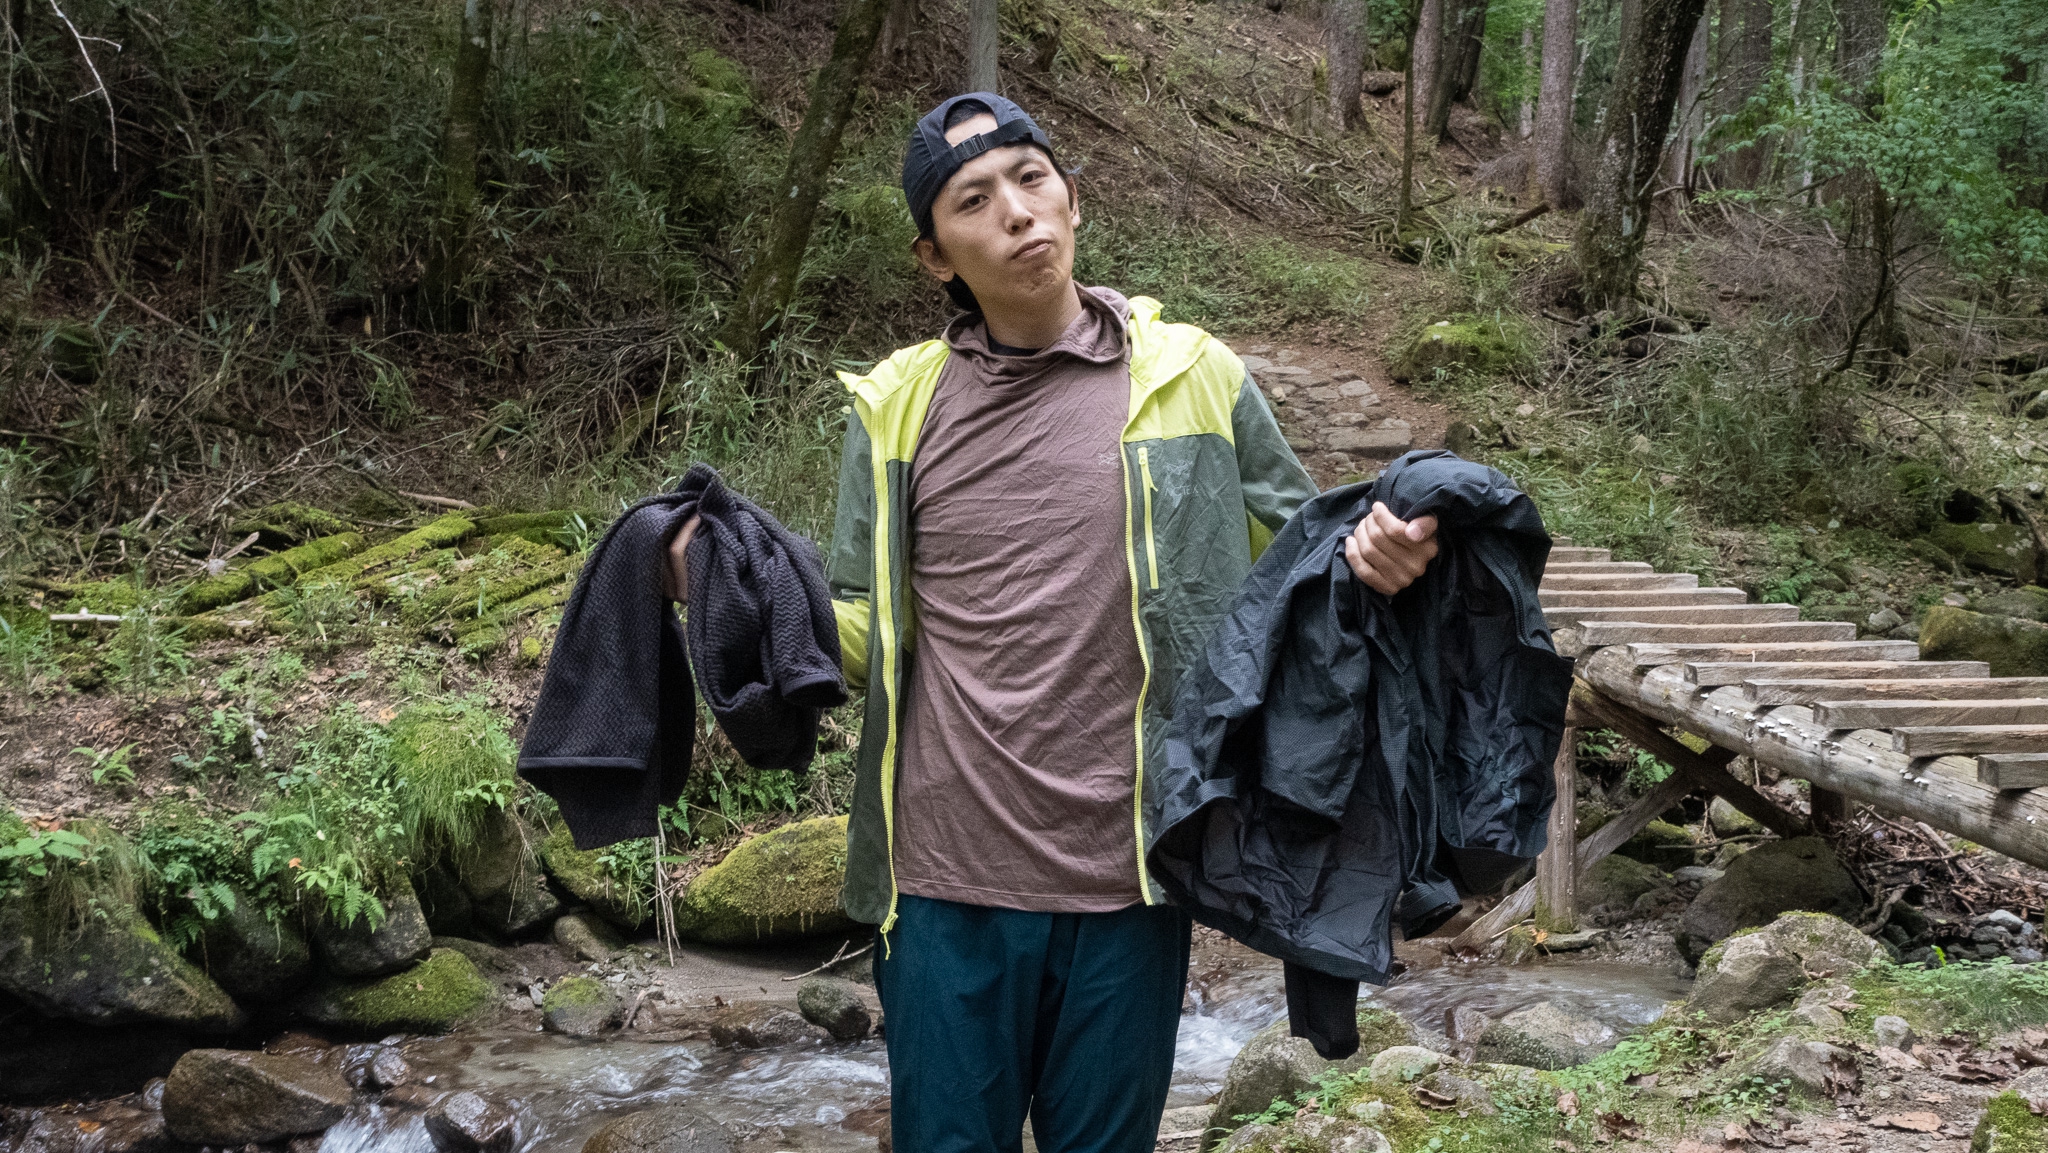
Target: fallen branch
x=436 y=501
x=840 y=957
x=85 y=618
x=1516 y=221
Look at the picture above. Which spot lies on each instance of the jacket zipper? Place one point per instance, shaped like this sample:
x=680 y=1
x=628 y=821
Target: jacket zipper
x=1144 y=655
x=885 y=622
x=1151 y=550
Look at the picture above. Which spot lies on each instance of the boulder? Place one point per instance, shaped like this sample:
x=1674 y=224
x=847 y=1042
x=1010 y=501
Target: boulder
x=1773 y=878
x=255 y=959
x=583 y=874
x=2009 y=1126
x=501 y=966
x=1481 y=347
x=444 y=903
x=780 y=885
x=1894 y=1033
x=2013 y=646
x=507 y=890
x=1619 y=880
x=587 y=937
x=465 y=1122
x=1545 y=1036
x=1816 y=1006
x=662 y=1129
x=1276 y=1065
x=1743 y=975
x=2028 y=602
x=432 y=997
x=114 y=970
x=1814 y=1067
x=356 y=949
x=1663 y=844
x=232 y=1097
x=2005 y=550
x=2032 y=1085
x=1401 y=1064
x=761 y=1025
x=1729 y=821
x=834 y=1005
x=1825 y=946
x=580 y=1007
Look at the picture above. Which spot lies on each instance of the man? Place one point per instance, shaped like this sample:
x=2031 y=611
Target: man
x=1040 y=517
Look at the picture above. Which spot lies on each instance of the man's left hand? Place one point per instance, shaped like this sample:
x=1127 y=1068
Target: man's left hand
x=1388 y=553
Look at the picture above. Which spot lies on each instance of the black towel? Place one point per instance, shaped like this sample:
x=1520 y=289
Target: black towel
x=611 y=734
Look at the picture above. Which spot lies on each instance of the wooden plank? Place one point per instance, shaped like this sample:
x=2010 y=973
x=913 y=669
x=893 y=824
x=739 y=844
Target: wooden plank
x=1706 y=773
x=1591 y=851
x=1571 y=554
x=1859 y=765
x=1606 y=598
x=1712 y=674
x=1929 y=713
x=2013 y=770
x=1806 y=691
x=1771 y=652
x=1599 y=633
x=1612 y=582
x=1557 y=869
x=1970 y=740
x=1675 y=614
x=1595 y=567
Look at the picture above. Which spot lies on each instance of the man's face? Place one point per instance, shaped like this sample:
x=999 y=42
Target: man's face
x=1004 y=223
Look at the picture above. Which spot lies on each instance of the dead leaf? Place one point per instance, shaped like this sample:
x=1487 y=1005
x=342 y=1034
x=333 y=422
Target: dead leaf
x=1734 y=1134
x=1621 y=1125
x=1431 y=1099
x=1893 y=1058
x=1844 y=1006
x=1642 y=1081
x=1564 y=1145
x=88 y=1126
x=1911 y=1122
x=1568 y=1104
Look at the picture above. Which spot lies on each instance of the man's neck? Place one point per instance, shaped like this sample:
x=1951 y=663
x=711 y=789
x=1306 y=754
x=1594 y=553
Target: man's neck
x=1036 y=323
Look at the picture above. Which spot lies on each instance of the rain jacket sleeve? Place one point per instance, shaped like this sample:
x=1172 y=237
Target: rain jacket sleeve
x=850 y=567
x=1275 y=483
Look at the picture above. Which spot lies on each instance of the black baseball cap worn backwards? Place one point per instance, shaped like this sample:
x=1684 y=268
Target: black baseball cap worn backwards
x=929 y=162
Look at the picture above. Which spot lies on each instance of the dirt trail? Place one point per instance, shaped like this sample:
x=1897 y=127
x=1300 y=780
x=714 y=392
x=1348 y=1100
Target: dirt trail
x=1340 y=408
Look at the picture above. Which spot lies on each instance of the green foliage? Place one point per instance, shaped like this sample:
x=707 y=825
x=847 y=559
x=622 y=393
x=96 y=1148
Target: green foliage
x=1979 y=998
x=109 y=766
x=21 y=541
x=148 y=649
x=56 y=879
x=27 y=657
x=454 y=761
x=322 y=613
x=193 y=865
x=334 y=830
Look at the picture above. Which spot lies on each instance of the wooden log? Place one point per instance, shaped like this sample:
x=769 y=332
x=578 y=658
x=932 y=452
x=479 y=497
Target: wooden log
x=1591 y=851
x=1613 y=598
x=1705 y=773
x=2013 y=770
x=1615 y=582
x=1969 y=740
x=1805 y=692
x=1557 y=868
x=1770 y=652
x=1602 y=633
x=1570 y=554
x=1928 y=714
x=1673 y=614
x=1861 y=765
x=1713 y=674
x=1593 y=567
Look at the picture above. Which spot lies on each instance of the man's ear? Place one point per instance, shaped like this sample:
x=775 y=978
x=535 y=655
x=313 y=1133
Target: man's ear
x=1073 y=200
x=927 y=250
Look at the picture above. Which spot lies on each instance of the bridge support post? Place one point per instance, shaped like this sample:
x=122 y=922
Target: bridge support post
x=1828 y=809
x=1557 y=869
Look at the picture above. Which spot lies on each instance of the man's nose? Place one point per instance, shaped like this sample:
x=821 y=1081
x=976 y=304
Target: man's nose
x=1017 y=208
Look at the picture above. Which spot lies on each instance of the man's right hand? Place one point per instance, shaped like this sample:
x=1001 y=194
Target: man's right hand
x=675 y=579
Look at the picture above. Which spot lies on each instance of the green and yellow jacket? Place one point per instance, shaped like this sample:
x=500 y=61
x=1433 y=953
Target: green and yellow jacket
x=1208 y=479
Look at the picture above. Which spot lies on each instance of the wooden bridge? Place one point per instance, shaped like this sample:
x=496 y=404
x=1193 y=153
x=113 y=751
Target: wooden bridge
x=1942 y=742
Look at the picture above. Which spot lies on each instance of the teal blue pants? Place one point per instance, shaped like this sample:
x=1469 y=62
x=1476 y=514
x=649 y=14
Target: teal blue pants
x=993 y=1015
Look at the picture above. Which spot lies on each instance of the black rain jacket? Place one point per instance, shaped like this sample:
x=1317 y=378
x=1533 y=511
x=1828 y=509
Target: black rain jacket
x=1339 y=760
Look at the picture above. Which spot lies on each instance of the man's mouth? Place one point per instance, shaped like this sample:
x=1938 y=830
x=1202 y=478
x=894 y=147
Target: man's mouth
x=1035 y=248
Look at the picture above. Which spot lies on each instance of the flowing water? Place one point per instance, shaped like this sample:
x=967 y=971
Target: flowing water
x=832 y=1097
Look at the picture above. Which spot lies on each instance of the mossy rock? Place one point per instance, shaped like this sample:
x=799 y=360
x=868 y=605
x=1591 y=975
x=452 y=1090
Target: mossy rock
x=1619 y=880
x=1662 y=844
x=113 y=970
x=1275 y=1064
x=257 y=960
x=2013 y=647
x=1481 y=347
x=778 y=886
x=287 y=523
x=274 y=571
x=434 y=996
x=2028 y=602
x=1776 y=877
x=583 y=874
x=2005 y=550
x=579 y=1007
x=2008 y=1126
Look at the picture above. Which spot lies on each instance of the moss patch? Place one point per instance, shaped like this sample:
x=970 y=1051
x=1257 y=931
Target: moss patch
x=2006 y=550
x=2013 y=647
x=2008 y=1126
x=289 y=522
x=781 y=884
x=1662 y=844
x=585 y=876
x=431 y=997
x=1476 y=347
x=274 y=571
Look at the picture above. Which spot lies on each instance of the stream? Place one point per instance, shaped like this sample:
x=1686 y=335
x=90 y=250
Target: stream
x=834 y=1097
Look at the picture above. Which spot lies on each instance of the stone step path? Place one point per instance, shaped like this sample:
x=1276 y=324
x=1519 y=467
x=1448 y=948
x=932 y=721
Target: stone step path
x=1334 y=419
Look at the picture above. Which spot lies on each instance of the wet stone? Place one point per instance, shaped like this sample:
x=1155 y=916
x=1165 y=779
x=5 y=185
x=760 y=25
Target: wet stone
x=468 y=1123
x=761 y=1026
x=834 y=1005
x=231 y=1097
x=666 y=1129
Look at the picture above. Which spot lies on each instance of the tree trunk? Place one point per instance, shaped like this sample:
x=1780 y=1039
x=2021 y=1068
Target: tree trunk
x=1344 y=45
x=1655 y=35
x=1456 y=62
x=1525 y=125
x=900 y=22
x=1474 y=48
x=448 y=243
x=1425 y=47
x=1691 y=112
x=1550 y=169
x=1405 y=205
x=1746 y=64
x=772 y=279
x=1867 y=241
x=983 y=44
